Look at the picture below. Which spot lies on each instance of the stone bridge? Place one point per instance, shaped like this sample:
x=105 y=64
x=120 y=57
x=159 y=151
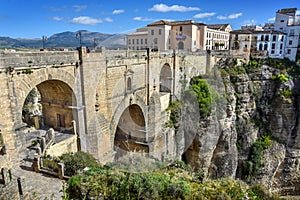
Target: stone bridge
x=118 y=99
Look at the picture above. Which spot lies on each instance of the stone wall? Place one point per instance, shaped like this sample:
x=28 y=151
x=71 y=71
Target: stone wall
x=102 y=86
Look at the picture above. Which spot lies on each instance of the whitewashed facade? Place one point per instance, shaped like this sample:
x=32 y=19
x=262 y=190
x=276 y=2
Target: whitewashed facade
x=271 y=41
x=288 y=22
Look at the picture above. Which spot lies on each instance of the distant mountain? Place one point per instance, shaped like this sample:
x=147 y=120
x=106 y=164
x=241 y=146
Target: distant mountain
x=68 y=40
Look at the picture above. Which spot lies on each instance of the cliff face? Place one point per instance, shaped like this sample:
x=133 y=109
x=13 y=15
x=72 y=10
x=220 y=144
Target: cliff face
x=254 y=132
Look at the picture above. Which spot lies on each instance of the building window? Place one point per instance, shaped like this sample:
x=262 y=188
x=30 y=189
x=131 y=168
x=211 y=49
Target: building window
x=272 y=52
x=262 y=37
x=129 y=41
x=282 y=38
x=159 y=31
x=128 y=84
x=280 y=52
x=142 y=41
x=267 y=38
x=290 y=42
x=273 y=45
x=145 y=40
x=274 y=37
x=180 y=28
x=155 y=40
x=137 y=41
x=266 y=47
x=288 y=51
x=132 y=41
x=152 y=32
x=282 y=20
x=260 y=47
x=292 y=32
x=281 y=46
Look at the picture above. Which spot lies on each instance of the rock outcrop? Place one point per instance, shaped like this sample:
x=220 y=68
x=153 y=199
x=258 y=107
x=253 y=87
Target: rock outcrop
x=254 y=134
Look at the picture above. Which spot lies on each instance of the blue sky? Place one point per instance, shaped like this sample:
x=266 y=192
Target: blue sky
x=35 y=18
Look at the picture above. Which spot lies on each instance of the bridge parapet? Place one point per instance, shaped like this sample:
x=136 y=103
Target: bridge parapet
x=37 y=59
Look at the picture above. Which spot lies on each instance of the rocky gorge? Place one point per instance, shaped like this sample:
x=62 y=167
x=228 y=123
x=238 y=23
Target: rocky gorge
x=252 y=131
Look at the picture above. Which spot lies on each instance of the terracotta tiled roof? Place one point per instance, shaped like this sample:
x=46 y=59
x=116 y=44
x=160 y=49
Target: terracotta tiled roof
x=269 y=31
x=174 y=23
x=241 y=32
x=255 y=32
x=287 y=10
x=221 y=27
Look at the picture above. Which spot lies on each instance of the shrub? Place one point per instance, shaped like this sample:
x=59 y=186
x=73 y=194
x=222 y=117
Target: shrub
x=175 y=112
x=77 y=161
x=283 y=78
x=254 y=163
x=203 y=92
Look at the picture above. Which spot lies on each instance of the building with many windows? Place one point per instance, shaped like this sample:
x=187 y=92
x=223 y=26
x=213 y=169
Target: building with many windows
x=288 y=21
x=258 y=42
x=276 y=40
x=182 y=35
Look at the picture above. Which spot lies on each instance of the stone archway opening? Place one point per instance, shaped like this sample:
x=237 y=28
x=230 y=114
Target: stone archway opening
x=51 y=106
x=165 y=79
x=130 y=134
x=32 y=109
x=180 y=45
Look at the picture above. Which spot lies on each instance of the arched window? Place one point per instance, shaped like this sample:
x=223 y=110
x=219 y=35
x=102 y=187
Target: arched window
x=266 y=47
x=128 y=84
x=260 y=47
x=181 y=45
x=262 y=37
x=165 y=79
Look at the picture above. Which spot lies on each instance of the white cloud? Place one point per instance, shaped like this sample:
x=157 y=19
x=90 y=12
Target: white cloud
x=271 y=19
x=85 y=20
x=142 y=19
x=204 y=15
x=232 y=16
x=79 y=8
x=118 y=12
x=56 y=18
x=176 y=8
x=108 y=19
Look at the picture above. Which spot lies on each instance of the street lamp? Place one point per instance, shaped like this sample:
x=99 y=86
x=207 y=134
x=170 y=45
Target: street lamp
x=78 y=36
x=44 y=39
x=95 y=42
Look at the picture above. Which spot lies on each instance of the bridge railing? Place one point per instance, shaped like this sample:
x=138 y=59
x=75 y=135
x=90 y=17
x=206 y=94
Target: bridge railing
x=38 y=59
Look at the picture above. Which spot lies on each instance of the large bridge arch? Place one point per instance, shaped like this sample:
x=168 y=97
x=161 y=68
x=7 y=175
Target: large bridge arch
x=57 y=88
x=129 y=125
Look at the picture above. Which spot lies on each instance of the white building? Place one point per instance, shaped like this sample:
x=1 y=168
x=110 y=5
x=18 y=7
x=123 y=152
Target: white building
x=138 y=40
x=268 y=43
x=182 y=35
x=288 y=22
x=271 y=41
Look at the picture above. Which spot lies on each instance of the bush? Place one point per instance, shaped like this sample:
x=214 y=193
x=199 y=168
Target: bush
x=175 y=112
x=259 y=192
x=254 y=163
x=77 y=161
x=204 y=95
